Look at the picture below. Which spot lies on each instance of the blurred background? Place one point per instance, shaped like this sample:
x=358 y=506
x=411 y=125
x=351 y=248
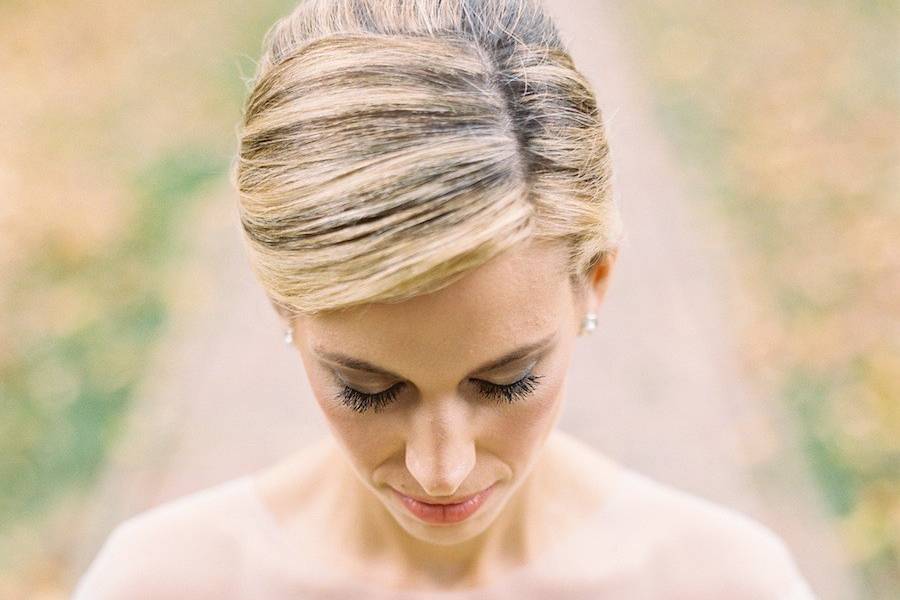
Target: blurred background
x=748 y=351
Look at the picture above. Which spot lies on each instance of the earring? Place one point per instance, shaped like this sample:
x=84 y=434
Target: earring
x=288 y=336
x=590 y=323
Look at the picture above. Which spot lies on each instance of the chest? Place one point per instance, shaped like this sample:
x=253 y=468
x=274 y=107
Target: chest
x=587 y=564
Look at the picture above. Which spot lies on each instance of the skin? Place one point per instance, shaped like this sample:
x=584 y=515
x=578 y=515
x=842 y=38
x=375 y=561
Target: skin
x=440 y=437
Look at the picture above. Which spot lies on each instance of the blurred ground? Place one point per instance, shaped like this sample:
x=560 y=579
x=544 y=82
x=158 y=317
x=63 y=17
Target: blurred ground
x=663 y=385
x=786 y=117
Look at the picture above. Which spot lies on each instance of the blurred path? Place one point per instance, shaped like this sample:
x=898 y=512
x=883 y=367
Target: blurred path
x=657 y=386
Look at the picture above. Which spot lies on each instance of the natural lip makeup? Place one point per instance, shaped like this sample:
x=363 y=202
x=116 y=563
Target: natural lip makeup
x=442 y=514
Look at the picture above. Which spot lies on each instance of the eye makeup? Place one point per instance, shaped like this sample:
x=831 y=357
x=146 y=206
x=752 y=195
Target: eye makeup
x=361 y=402
x=356 y=364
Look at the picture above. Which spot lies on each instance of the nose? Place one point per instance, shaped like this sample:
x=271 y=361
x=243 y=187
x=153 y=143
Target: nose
x=440 y=451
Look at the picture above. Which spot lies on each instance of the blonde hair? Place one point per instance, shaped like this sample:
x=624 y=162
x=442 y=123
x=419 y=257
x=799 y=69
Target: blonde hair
x=389 y=146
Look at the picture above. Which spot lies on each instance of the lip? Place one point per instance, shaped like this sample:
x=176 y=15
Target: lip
x=446 y=512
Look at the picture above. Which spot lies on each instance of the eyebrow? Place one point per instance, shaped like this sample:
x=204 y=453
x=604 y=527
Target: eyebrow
x=361 y=365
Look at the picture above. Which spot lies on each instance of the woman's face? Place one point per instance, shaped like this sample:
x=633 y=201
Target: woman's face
x=419 y=399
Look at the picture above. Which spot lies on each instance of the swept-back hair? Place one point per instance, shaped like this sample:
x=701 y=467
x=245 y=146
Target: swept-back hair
x=389 y=146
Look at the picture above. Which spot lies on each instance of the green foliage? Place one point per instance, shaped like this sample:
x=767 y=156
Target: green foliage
x=65 y=395
x=808 y=397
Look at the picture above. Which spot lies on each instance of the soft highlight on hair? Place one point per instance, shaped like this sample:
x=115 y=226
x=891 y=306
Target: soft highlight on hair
x=387 y=147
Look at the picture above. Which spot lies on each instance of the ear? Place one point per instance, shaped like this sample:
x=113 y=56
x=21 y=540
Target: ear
x=599 y=278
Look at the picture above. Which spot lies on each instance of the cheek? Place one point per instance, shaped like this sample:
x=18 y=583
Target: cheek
x=365 y=440
x=516 y=432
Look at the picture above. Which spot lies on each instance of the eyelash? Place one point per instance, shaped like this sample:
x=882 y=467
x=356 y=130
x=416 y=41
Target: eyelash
x=361 y=402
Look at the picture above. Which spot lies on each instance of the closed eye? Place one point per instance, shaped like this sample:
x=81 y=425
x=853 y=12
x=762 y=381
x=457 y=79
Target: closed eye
x=505 y=393
x=509 y=393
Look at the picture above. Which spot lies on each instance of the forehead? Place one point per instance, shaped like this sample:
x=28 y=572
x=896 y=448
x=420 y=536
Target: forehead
x=519 y=296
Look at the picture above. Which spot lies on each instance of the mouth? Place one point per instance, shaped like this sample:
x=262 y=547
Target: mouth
x=443 y=513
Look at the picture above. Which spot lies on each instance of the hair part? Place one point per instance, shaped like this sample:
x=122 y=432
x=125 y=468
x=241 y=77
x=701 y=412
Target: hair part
x=387 y=148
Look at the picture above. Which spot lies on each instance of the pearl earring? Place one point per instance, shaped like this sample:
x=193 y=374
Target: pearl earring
x=590 y=323
x=288 y=336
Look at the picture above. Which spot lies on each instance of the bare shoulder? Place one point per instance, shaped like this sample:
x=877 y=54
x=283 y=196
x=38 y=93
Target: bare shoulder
x=580 y=470
x=640 y=538
x=699 y=549
x=179 y=549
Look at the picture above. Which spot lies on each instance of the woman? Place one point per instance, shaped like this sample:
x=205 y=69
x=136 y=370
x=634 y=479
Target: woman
x=425 y=197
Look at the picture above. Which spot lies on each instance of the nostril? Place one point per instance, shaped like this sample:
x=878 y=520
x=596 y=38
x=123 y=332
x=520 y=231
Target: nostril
x=438 y=482
x=441 y=470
